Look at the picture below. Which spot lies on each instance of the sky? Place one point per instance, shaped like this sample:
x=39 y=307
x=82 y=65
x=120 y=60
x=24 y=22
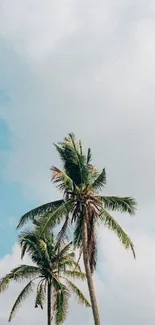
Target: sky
x=85 y=67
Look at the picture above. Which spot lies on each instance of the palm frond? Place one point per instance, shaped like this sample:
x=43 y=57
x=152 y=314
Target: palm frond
x=75 y=274
x=122 y=204
x=100 y=181
x=63 y=181
x=61 y=301
x=74 y=163
x=22 y=296
x=39 y=211
x=112 y=224
x=4 y=282
x=40 y=296
x=23 y=272
x=89 y=157
x=53 y=218
x=73 y=288
x=64 y=231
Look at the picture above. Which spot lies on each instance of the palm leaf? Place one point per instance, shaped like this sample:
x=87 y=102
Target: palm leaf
x=40 y=297
x=23 y=272
x=112 y=224
x=89 y=157
x=61 y=301
x=122 y=204
x=39 y=211
x=22 y=296
x=75 y=274
x=55 y=216
x=64 y=182
x=73 y=288
x=100 y=181
x=19 y=273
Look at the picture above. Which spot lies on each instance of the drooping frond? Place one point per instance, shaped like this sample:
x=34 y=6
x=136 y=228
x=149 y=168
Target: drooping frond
x=22 y=296
x=4 y=282
x=112 y=224
x=66 y=250
x=39 y=211
x=40 y=296
x=63 y=181
x=54 y=218
x=78 y=294
x=75 y=274
x=22 y=272
x=61 y=301
x=64 y=231
x=100 y=181
x=122 y=204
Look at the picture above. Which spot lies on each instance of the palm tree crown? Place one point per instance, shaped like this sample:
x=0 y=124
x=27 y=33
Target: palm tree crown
x=53 y=268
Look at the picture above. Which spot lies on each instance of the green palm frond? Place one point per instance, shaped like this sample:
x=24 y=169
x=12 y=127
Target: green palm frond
x=22 y=296
x=63 y=181
x=5 y=281
x=61 y=301
x=54 y=218
x=39 y=211
x=100 y=181
x=89 y=157
x=64 y=231
x=112 y=224
x=36 y=246
x=71 y=264
x=122 y=204
x=75 y=274
x=23 y=272
x=29 y=243
x=74 y=163
x=66 y=250
x=40 y=296
x=73 y=288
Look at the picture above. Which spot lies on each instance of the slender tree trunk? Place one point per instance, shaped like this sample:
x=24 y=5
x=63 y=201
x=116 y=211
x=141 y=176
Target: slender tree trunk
x=49 y=305
x=89 y=278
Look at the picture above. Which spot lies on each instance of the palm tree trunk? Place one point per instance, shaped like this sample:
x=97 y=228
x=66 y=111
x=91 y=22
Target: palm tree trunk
x=49 y=305
x=89 y=278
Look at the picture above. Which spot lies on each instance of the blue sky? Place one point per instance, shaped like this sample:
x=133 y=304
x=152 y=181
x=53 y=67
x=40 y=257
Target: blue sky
x=87 y=67
x=12 y=202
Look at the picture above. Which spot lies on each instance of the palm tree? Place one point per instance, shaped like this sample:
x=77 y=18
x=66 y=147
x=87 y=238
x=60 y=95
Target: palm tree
x=52 y=270
x=82 y=206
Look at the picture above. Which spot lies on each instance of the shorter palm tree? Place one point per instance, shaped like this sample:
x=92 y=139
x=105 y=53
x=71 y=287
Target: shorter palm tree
x=52 y=273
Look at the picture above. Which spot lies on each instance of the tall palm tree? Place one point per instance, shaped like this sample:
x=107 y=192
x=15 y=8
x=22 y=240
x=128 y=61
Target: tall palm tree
x=82 y=206
x=53 y=269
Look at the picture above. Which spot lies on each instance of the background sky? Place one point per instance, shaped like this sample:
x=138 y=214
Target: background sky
x=87 y=67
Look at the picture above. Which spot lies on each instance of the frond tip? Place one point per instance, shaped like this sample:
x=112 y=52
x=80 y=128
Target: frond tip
x=121 y=204
x=112 y=224
x=22 y=296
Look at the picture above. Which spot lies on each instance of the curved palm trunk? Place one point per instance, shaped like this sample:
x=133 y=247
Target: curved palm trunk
x=49 y=305
x=89 y=278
